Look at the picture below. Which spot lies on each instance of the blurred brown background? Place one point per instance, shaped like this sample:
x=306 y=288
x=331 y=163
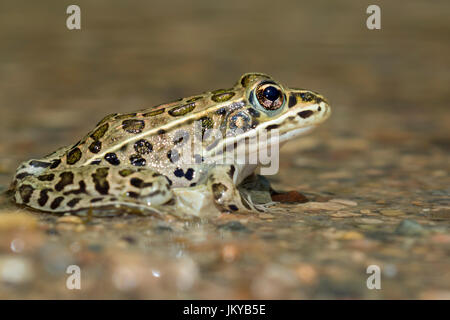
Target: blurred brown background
x=386 y=146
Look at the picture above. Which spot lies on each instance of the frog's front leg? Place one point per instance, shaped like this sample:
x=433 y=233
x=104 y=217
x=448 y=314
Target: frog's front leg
x=227 y=197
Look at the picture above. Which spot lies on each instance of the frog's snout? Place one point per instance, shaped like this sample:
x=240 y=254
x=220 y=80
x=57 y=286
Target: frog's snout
x=310 y=106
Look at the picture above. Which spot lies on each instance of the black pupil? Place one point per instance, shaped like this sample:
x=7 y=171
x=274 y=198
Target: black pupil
x=271 y=93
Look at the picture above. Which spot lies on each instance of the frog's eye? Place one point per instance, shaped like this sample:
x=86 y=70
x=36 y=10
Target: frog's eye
x=270 y=96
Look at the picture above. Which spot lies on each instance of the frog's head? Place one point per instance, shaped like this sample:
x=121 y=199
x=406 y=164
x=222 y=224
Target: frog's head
x=264 y=109
x=270 y=105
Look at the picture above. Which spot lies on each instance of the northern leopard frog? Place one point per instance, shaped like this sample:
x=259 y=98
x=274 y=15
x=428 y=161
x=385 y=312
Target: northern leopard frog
x=138 y=160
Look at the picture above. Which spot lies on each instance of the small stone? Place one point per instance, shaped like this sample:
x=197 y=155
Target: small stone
x=409 y=227
x=289 y=197
x=345 y=202
x=70 y=219
x=369 y=221
x=234 y=226
x=392 y=212
x=342 y=214
x=15 y=270
x=351 y=235
x=229 y=253
x=307 y=274
x=331 y=206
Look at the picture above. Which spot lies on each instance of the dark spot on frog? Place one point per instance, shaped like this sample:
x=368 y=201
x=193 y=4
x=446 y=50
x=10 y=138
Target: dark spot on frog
x=100 y=182
x=132 y=194
x=305 y=114
x=139 y=183
x=26 y=191
x=189 y=174
x=161 y=131
x=43 y=196
x=96 y=162
x=307 y=96
x=178 y=172
x=182 y=110
x=292 y=100
x=272 y=126
x=46 y=177
x=39 y=164
x=22 y=175
x=112 y=159
x=222 y=97
x=95 y=147
x=137 y=160
x=193 y=184
x=56 y=202
x=231 y=171
x=126 y=172
x=66 y=179
x=55 y=163
x=99 y=132
x=221 y=111
x=73 y=156
x=72 y=203
x=96 y=200
x=143 y=147
x=133 y=126
x=81 y=189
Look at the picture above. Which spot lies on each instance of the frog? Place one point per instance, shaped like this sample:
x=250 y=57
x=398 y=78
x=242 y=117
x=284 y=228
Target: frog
x=170 y=158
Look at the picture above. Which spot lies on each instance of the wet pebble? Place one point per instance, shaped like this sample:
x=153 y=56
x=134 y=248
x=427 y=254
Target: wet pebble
x=392 y=212
x=331 y=206
x=289 y=197
x=409 y=227
x=69 y=219
x=234 y=226
x=345 y=202
x=15 y=270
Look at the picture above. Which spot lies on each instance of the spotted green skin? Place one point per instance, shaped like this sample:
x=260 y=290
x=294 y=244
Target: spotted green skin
x=137 y=161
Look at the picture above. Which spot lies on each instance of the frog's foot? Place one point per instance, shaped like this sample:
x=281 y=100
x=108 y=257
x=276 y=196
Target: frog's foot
x=227 y=197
